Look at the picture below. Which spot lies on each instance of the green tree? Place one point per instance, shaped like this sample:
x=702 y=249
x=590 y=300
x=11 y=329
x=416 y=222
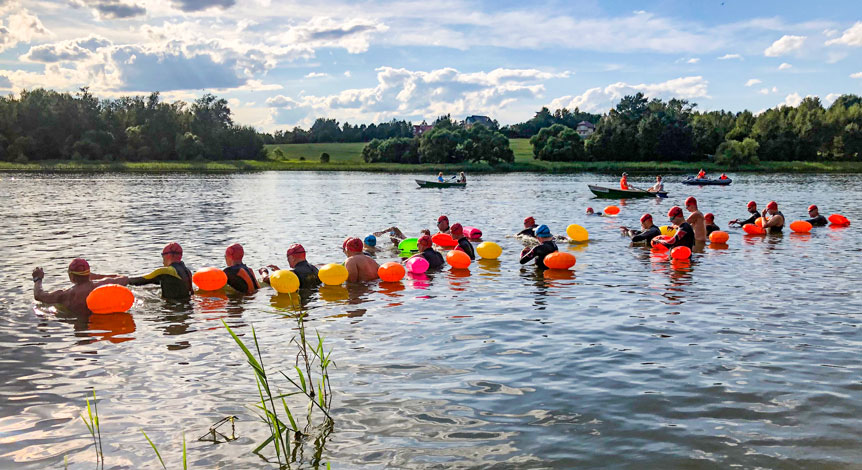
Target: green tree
x=558 y=143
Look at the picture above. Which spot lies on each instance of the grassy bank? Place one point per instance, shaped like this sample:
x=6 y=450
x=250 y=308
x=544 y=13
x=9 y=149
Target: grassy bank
x=347 y=157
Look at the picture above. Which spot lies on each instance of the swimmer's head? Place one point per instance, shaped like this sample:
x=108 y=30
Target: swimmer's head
x=424 y=242
x=590 y=211
x=370 y=240
x=233 y=254
x=171 y=253
x=79 y=270
x=353 y=245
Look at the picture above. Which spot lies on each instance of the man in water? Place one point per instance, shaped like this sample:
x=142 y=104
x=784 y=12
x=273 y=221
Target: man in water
x=624 y=182
x=370 y=245
x=174 y=277
x=463 y=243
x=773 y=220
x=816 y=220
x=648 y=230
x=434 y=258
x=360 y=267
x=684 y=232
x=529 y=228
x=74 y=298
x=709 y=218
x=753 y=215
x=545 y=247
x=590 y=211
x=239 y=276
x=696 y=219
x=304 y=270
x=443 y=224
x=658 y=187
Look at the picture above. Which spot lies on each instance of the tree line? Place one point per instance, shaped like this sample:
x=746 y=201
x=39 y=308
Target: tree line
x=329 y=130
x=46 y=125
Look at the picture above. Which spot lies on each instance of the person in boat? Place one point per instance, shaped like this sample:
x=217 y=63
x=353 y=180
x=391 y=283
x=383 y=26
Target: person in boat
x=440 y=177
x=74 y=299
x=647 y=232
x=427 y=251
x=239 y=276
x=701 y=174
x=753 y=215
x=590 y=211
x=464 y=244
x=816 y=219
x=773 y=219
x=722 y=177
x=305 y=271
x=696 y=219
x=529 y=228
x=173 y=277
x=709 y=218
x=658 y=187
x=360 y=267
x=443 y=224
x=684 y=233
x=538 y=252
x=624 y=182
x=370 y=245
x=462 y=178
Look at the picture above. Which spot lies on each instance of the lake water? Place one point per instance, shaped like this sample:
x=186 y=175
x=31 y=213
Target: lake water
x=748 y=357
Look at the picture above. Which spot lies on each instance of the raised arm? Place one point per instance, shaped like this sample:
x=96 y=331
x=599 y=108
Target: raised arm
x=39 y=293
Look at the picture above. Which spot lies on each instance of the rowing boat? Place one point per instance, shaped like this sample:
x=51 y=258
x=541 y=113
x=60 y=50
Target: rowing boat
x=612 y=193
x=707 y=182
x=437 y=184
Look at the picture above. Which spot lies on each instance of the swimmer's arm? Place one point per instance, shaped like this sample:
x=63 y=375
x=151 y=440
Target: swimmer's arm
x=115 y=279
x=55 y=297
x=352 y=271
x=527 y=257
x=96 y=277
x=153 y=277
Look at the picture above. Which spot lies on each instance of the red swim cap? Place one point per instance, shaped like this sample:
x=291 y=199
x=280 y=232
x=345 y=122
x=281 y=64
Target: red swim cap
x=79 y=267
x=709 y=216
x=646 y=217
x=295 y=249
x=235 y=251
x=812 y=207
x=353 y=244
x=530 y=221
x=773 y=206
x=442 y=218
x=172 y=248
x=751 y=204
x=457 y=228
x=675 y=211
x=691 y=201
x=589 y=209
x=424 y=240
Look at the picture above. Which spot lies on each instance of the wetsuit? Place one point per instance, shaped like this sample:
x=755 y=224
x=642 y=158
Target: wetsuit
x=434 y=258
x=527 y=232
x=686 y=240
x=779 y=228
x=750 y=220
x=175 y=280
x=539 y=252
x=307 y=274
x=241 y=278
x=646 y=235
x=818 y=221
x=712 y=228
x=467 y=247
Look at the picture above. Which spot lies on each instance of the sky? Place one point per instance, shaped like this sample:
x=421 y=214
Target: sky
x=282 y=63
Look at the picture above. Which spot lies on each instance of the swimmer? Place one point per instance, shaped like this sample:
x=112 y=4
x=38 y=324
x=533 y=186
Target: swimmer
x=529 y=228
x=239 y=276
x=370 y=245
x=443 y=224
x=684 y=232
x=304 y=270
x=696 y=219
x=360 y=267
x=709 y=218
x=463 y=243
x=754 y=214
x=648 y=231
x=590 y=211
x=773 y=219
x=434 y=258
x=74 y=298
x=545 y=247
x=174 y=277
x=817 y=219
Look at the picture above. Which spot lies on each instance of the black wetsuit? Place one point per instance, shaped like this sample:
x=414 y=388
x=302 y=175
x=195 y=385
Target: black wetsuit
x=750 y=220
x=527 y=232
x=434 y=258
x=686 y=240
x=175 y=280
x=712 y=228
x=307 y=275
x=646 y=235
x=241 y=278
x=818 y=221
x=467 y=247
x=539 y=252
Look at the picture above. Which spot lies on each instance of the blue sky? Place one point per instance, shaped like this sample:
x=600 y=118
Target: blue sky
x=283 y=63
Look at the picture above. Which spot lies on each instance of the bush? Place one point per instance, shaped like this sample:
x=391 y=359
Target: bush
x=324 y=157
x=734 y=154
x=302 y=159
x=558 y=143
x=278 y=154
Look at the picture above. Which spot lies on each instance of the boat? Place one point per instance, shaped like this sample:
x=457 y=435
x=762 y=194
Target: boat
x=707 y=181
x=613 y=193
x=437 y=184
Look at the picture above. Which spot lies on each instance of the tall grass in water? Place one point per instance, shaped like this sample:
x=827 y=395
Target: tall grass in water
x=92 y=423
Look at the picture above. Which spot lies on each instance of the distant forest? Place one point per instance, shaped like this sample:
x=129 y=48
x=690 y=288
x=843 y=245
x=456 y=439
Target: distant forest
x=47 y=125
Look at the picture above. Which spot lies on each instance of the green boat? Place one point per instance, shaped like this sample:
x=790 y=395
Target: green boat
x=437 y=184
x=611 y=193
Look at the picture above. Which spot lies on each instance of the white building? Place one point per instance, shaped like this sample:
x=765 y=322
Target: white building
x=585 y=129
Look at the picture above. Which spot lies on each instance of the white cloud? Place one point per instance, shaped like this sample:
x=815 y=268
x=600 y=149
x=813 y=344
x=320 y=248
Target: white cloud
x=784 y=45
x=20 y=27
x=693 y=60
x=791 y=100
x=830 y=32
x=347 y=73
x=851 y=37
x=5 y=83
x=753 y=81
x=316 y=75
x=856 y=75
x=730 y=56
x=766 y=91
x=352 y=35
x=830 y=98
x=64 y=51
x=784 y=66
x=601 y=99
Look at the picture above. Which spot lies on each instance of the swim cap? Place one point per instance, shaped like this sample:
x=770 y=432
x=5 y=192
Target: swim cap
x=235 y=251
x=589 y=210
x=543 y=231
x=424 y=240
x=751 y=204
x=172 y=248
x=371 y=240
x=690 y=201
x=709 y=216
x=772 y=206
x=353 y=244
x=456 y=229
x=442 y=218
x=646 y=217
x=812 y=207
x=295 y=249
x=674 y=211
x=79 y=267
x=530 y=221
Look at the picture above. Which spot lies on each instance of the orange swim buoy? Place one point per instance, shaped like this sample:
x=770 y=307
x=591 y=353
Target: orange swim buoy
x=752 y=229
x=612 y=210
x=759 y=222
x=658 y=247
x=800 y=226
x=391 y=272
x=838 y=219
x=719 y=237
x=560 y=260
x=458 y=259
x=110 y=298
x=210 y=278
x=680 y=252
x=445 y=240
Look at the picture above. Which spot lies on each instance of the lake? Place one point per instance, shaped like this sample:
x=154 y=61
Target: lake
x=747 y=357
